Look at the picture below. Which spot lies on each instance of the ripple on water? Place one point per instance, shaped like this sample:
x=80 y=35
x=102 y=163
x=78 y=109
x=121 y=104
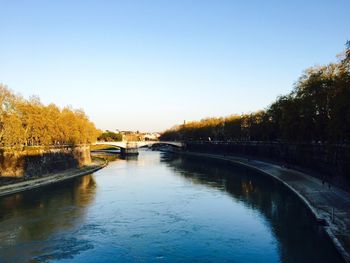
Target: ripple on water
x=163 y=208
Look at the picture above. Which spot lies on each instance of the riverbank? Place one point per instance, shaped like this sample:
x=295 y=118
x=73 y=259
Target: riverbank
x=326 y=161
x=35 y=161
x=53 y=178
x=330 y=205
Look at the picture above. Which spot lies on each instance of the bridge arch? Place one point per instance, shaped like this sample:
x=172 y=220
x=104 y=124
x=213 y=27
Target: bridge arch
x=138 y=144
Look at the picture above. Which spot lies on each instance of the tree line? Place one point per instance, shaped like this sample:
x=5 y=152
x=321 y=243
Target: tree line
x=27 y=122
x=109 y=136
x=316 y=110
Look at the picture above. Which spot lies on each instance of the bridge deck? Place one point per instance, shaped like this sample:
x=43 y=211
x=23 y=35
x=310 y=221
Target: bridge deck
x=138 y=144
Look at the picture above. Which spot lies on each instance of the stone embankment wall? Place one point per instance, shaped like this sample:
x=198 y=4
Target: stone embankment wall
x=37 y=161
x=330 y=161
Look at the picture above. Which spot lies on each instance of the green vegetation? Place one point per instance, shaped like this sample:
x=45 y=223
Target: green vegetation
x=99 y=147
x=30 y=123
x=109 y=136
x=318 y=109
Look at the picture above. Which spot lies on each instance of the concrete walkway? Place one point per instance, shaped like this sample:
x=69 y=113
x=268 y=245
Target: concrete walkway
x=52 y=178
x=330 y=206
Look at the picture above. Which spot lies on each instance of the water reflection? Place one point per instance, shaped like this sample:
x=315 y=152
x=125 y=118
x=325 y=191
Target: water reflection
x=300 y=239
x=161 y=207
x=33 y=217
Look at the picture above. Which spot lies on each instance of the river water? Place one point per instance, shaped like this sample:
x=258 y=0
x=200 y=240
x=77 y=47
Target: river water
x=162 y=208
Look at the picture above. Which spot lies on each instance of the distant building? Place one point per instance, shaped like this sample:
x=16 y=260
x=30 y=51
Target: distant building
x=139 y=136
x=151 y=136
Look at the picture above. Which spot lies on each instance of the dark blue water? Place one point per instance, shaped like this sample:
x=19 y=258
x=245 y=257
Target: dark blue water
x=162 y=208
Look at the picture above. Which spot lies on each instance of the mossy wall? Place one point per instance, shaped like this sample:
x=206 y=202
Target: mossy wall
x=38 y=161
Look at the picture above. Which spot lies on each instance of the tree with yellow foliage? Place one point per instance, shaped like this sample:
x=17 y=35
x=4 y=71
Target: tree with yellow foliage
x=317 y=110
x=30 y=123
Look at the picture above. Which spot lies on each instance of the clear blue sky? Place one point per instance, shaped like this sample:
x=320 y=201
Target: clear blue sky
x=147 y=65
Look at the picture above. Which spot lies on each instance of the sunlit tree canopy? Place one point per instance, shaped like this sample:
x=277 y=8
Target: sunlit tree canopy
x=317 y=110
x=28 y=122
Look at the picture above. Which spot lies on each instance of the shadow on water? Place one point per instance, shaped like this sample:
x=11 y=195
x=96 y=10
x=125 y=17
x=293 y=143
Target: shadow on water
x=31 y=218
x=109 y=156
x=300 y=238
x=162 y=207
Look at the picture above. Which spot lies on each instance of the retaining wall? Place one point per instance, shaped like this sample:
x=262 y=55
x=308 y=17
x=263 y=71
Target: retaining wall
x=330 y=161
x=37 y=161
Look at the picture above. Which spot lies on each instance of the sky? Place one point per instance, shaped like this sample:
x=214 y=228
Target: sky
x=148 y=65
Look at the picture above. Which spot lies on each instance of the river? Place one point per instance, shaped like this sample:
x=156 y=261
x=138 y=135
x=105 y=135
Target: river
x=162 y=208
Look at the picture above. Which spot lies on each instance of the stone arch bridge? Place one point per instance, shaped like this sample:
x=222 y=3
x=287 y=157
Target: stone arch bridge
x=137 y=144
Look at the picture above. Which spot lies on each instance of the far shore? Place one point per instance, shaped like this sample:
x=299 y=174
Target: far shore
x=49 y=179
